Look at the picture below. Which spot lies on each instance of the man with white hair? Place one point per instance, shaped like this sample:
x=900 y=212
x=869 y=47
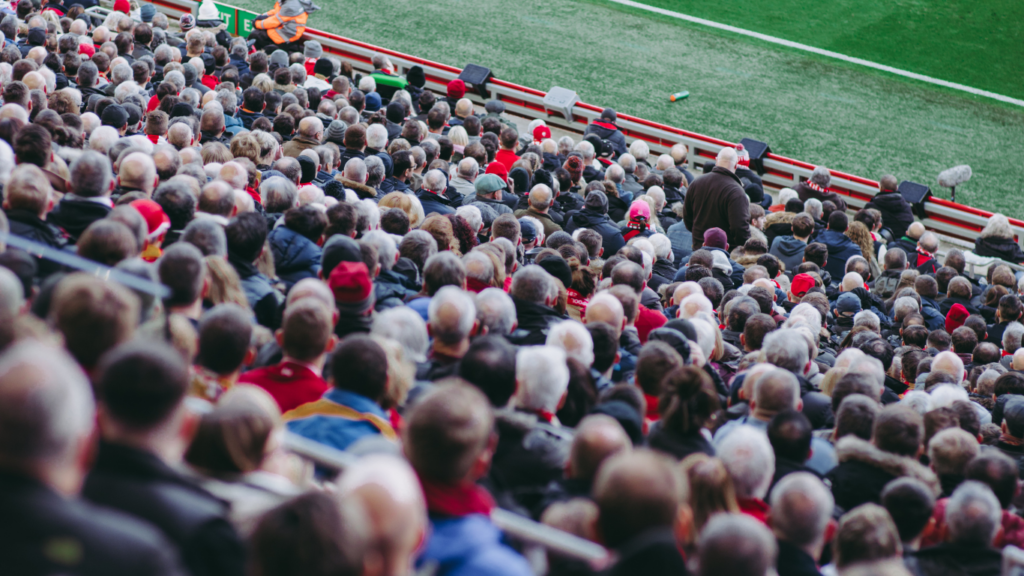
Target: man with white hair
x=817 y=188
x=630 y=183
x=465 y=175
x=750 y=461
x=574 y=339
x=543 y=378
x=801 y=511
x=717 y=200
x=495 y=312
x=396 y=513
x=44 y=460
x=432 y=195
x=390 y=288
x=354 y=177
x=451 y=321
x=973 y=518
x=479 y=271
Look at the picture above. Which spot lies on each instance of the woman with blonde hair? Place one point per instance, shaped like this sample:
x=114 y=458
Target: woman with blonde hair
x=225 y=285
x=237 y=453
x=861 y=236
x=828 y=383
x=460 y=139
x=996 y=241
x=406 y=203
x=711 y=488
x=264 y=83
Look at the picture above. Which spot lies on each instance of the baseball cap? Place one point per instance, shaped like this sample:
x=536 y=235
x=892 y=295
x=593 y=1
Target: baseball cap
x=801 y=284
x=489 y=183
x=541 y=132
x=115 y=115
x=639 y=210
x=848 y=303
x=528 y=230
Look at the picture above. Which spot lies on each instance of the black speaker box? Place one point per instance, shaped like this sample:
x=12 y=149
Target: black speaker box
x=915 y=194
x=476 y=77
x=758 y=152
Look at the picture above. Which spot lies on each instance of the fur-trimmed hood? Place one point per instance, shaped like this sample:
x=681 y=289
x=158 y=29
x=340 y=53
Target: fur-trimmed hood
x=851 y=448
x=779 y=218
x=361 y=190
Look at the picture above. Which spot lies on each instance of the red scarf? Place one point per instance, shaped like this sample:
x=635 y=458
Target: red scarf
x=633 y=228
x=476 y=286
x=573 y=298
x=815 y=187
x=254 y=195
x=154 y=138
x=652 y=408
x=1005 y=353
x=457 y=501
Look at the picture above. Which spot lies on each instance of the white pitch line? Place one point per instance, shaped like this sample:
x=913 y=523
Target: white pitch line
x=822 y=52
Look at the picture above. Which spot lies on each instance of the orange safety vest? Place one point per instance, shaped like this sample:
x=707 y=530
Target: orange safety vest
x=281 y=28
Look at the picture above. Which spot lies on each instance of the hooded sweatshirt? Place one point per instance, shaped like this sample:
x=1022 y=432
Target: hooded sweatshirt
x=788 y=250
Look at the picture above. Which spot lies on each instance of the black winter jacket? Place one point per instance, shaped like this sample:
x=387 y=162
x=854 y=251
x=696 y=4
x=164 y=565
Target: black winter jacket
x=864 y=470
x=897 y=214
x=1003 y=248
x=535 y=320
x=600 y=223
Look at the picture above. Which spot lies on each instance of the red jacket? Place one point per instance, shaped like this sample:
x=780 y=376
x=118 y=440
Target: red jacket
x=648 y=320
x=506 y=158
x=290 y=383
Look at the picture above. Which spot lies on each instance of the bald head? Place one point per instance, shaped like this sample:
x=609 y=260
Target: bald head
x=915 y=231
x=390 y=494
x=234 y=174
x=540 y=198
x=606 y=308
x=35 y=81
x=311 y=128
x=180 y=136
x=311 y=288
x=685 y=289
x=852 y=280
x=597 y=438
x=949 y=363
x=726 y=158
x=137 y=171
x=801 y=509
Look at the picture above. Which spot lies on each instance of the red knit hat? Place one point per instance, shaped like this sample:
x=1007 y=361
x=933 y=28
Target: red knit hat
x=801 y=284
x=498 y=169
x=574 y=165
x=87 y=49
x=157 y=222
x=122 y=6
x=956 y=317
x=353 y=290
x=456 y=88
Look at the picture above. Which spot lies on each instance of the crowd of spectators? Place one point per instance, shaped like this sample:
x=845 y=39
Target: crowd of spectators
x=666 y=361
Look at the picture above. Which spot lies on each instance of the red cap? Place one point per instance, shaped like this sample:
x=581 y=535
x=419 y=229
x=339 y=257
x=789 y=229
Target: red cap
x=456 y=88
x=541 y=133
x=350 y=282
x=956 y=317
x=157 y=222
x=639 y=210
x=122 y=6
x=498 y=169
x=801 y=284
x=87 y=49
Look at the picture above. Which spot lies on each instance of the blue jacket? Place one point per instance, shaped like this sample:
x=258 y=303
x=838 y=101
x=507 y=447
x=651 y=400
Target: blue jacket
x=295 y=256
x=389 y=290
x=470 y=546
x=339 y=419
x=233 y=126
x=934 y=319
x=599 y=222
x=840 y=249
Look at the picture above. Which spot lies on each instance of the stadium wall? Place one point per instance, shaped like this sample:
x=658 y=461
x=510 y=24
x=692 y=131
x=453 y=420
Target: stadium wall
x=947 y=218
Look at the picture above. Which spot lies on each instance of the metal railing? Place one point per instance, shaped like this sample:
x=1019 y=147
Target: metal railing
x=515 y=526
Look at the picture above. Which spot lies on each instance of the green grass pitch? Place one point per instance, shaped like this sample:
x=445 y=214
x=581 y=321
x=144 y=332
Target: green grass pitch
x=807 y=107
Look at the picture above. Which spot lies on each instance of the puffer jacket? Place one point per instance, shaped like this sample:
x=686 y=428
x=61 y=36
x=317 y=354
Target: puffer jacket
x=529 y=456
x=390 y=290
x=295 y=256
x=600 y=223
x=1003 y=248
x=609 y=132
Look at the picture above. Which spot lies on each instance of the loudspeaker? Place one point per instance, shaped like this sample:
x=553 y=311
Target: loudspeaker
x=476 y=77
x=915 y=194
x=758 y=152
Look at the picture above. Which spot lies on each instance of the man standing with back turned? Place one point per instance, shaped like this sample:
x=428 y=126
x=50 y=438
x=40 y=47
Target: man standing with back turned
x=717 y=200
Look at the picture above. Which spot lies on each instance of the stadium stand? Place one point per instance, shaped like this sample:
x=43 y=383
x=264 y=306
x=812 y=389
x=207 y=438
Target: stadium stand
x=269 y=313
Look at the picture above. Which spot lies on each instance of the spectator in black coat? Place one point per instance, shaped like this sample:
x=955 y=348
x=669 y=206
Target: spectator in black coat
x=91 y=178
x=605 y=129
x=534 y=293
x=789 y=433
x=897 y=214
x=693 y=403
x=41 y=516
x=28 y=199
x=144 y=423
x=866 y=467
x=432 y=194
x=973 y=517
x=996 y=241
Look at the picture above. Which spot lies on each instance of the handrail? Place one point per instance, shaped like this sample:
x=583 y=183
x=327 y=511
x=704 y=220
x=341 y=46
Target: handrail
x=514 y=525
